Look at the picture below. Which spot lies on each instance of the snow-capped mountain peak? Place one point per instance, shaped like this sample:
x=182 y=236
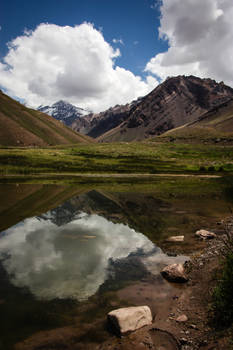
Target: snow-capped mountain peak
x=64 y=111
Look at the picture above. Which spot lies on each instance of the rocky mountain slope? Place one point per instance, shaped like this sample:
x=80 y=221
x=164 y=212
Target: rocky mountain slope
x=175 y=102
x=215 y=125
x=64 y=111
x=97 y=124
x=22 y=126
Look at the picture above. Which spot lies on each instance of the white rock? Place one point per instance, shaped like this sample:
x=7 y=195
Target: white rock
x=175 y=239
x=204 y=234
x=130 y=318
x=174 y=273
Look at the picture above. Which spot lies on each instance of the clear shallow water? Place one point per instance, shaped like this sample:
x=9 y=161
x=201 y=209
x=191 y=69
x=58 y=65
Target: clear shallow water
x=73 y=259
x=98 y=247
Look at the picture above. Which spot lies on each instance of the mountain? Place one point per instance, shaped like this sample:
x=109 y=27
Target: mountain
x=64 y=111
x=215 y=125
x=22 y=126
x=95 y=125
x=177 y=101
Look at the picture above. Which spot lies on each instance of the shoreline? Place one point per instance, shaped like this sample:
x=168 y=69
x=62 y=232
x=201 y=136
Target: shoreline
x=192 y=301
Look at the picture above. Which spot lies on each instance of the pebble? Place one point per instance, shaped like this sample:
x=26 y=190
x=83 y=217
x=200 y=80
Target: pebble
x=182 y=318
x=183 y=341
x=193 y=326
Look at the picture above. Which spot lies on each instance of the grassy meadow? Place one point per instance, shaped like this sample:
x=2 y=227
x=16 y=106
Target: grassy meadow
x=117 y=158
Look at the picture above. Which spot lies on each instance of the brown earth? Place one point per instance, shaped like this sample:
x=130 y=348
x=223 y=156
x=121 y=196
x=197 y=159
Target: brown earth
x=22 y=126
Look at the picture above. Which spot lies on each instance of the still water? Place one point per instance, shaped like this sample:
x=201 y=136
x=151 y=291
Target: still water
x=62 y=245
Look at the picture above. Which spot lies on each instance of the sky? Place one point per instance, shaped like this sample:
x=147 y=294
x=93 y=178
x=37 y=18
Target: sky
x=99 y=53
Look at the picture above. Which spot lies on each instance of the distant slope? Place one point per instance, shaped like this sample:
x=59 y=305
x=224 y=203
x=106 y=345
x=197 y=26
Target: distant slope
x=215 y=124
x=96 y=124
x=21 y=126
x=175 y=102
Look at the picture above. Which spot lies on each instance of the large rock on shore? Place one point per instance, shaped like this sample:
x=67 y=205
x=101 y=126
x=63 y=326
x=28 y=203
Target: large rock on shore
x=204 y=234
x=129 y=319
x=174 y=273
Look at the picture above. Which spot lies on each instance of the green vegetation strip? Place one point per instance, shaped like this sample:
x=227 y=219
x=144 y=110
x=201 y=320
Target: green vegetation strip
x=117 y=158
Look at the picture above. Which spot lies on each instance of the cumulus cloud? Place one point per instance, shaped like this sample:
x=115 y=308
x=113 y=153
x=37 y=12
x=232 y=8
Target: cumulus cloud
x=71 y=63
x=200 y=36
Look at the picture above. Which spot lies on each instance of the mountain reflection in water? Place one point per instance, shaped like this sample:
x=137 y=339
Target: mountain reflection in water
x=74 y=259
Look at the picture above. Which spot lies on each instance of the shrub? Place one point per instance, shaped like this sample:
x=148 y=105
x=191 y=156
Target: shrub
x=223 y=295
x=222 y=305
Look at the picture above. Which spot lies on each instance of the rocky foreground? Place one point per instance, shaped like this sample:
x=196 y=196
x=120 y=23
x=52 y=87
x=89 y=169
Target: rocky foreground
x=185 y=324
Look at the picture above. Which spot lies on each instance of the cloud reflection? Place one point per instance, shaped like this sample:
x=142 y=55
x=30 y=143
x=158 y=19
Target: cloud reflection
x=69 y=261
x=66 y=261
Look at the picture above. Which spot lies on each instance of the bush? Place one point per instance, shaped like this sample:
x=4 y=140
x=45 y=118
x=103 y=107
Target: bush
x=223 y=295
x=222 y=305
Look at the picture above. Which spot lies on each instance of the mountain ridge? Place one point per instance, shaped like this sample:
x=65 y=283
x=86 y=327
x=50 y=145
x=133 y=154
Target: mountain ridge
x=175 y=102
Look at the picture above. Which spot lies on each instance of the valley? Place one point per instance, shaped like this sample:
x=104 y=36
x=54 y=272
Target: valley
x=88 y=213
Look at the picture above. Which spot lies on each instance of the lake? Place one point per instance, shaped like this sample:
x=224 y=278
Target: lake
x=70 y=254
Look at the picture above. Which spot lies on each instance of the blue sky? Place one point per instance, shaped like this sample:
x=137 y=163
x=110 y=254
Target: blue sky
x=99 y=53
x=134 y=22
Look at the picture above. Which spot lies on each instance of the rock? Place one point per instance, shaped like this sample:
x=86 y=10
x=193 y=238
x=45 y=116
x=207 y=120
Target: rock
x=174 y=273
x=130 y=318
x=204 y=234
x=183 y=341
x=193 y=326
x=175 y=239
x=182 y=318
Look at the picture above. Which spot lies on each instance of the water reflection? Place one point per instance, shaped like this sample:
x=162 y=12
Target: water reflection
x=74 y=259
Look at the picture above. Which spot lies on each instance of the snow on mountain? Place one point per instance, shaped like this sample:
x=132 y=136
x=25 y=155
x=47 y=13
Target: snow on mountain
x=64 y=111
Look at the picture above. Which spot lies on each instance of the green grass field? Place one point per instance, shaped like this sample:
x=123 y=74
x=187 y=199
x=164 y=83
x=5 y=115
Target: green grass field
x=117 y=158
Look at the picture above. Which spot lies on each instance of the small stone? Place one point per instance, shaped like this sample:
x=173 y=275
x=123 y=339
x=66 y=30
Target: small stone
x=183 y=341
x=175 y=239
x=204 y=234
x=193 y=326
x=182 y=318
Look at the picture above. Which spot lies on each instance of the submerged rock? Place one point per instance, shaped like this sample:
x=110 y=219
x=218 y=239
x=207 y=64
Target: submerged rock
x=204 y=234
x=130 y=318
x=174 y=273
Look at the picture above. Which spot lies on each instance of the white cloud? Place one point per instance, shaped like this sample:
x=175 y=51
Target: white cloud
x=118 y=41
x=71 y=63
x=200 y=36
